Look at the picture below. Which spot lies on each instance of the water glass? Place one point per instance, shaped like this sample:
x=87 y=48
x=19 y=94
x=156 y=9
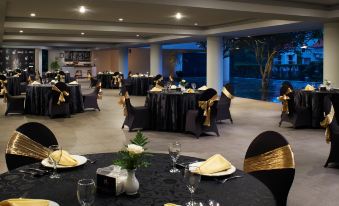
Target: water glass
x=174 y=152
x=55 y=160
x=86 y=192
x=194 y=86
x=192 y=179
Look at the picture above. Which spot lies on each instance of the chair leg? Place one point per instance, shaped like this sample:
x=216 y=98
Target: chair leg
x=123 y=126
x=231 y=120
x=280 y=123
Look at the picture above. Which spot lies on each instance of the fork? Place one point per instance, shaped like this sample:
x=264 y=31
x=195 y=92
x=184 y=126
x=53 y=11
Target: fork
x=222 y=181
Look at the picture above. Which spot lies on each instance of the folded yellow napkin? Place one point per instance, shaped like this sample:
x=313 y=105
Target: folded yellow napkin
x=74 y=82
x=309 y=88
x=214 y=164
x=203 y=88
x=173 y=87
x=170 y=204
x=24 y=202
x=64 y=158
x=155 y=89
x=190 y=91
x=35 y=83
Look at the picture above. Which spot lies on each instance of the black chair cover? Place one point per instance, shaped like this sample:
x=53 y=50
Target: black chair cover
x=91 y=99
x=64 y=107
x=279 y=181
x=224 y=104
x=137 y=117
x=38 y=133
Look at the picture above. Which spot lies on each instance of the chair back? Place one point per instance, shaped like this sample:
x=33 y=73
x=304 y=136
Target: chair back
x=205 y=96
x=223 y=98
x=270 y=159
x=36 y=132
x=63 y=88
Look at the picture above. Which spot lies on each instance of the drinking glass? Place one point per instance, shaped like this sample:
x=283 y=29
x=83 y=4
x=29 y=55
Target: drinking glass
x=54 y=160
x=174 y=152
x=193 y=86
x=192 y=179
x=86 y=192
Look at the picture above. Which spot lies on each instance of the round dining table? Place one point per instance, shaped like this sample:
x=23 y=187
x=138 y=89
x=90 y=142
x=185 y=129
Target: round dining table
x=13 y=85
x=37 y=99
x=157 y=185
x=138 y=86
x=168 y=109
x=107 y=80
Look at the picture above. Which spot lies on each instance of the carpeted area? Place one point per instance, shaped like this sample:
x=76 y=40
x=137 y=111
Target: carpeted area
x=96 y=132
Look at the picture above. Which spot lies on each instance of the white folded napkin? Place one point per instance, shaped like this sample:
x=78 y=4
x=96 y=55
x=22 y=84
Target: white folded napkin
x=173 y=87
x=36 y=83
x=155 y=89
x=203 y=88
x=214 y=164
x=73 y=83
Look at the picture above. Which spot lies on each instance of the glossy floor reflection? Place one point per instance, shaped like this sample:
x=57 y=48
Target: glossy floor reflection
x=95 y=132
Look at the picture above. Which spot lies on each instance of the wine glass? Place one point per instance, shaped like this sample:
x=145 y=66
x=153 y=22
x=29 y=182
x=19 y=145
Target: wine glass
x=54 y=160
x=193 y=86
x=192 y=179
x=86 y=192
x=174 y=152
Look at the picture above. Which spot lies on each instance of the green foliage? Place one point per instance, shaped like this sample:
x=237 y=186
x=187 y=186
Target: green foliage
x=140 y=139
x=55 y=65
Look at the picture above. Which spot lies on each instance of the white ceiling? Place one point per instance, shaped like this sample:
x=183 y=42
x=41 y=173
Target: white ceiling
x=59 y=21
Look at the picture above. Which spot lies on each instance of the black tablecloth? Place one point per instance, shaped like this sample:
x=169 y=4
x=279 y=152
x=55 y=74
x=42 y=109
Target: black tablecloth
x=168 y=109
x=37 y=98
x=138 y=86
x=13 y=85
x=106 y=80
x=314 y=101
x=157 y=186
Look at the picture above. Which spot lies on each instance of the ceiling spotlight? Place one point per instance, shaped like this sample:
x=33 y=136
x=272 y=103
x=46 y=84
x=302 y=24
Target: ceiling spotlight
x=137 y=35
x=121 y=19
x=32 y=14
x=21 y=31
x=178 y=16
x=82 y=33
x=82 y=9
x=196 y=24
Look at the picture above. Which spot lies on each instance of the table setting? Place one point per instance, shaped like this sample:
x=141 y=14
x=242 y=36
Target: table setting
x=63 y=178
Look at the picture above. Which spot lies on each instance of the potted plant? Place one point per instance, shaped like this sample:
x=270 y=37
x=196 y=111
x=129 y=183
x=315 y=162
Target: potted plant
x=55 y=64
x=131 y=157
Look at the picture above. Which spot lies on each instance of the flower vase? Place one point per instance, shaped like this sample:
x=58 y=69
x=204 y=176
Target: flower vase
x=132 y=183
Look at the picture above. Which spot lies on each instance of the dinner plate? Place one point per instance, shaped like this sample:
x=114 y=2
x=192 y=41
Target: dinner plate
x=217 y=174
x=52 y=203
x=80 y=159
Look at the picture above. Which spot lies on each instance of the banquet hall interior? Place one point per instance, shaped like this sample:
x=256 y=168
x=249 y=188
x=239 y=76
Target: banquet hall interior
x=201 y=102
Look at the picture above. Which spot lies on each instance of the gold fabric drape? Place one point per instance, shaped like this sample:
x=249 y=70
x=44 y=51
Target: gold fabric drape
x=206 y=106
x=280 y=158
x=284 y=99
x=62 y=94
x=122 y=102
x=326 y=124
x=20 y=144
x=227 y=93
x=3 y=90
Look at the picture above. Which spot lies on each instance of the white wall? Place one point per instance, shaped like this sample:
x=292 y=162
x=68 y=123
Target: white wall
x=331 y=51
x=52 y=54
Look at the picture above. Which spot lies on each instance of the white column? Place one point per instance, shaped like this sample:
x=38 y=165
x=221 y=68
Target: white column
x=38 y=60
x=123 y=61
x=215 y=63
x=331 y=51
x=226 y=69
x=156 y=59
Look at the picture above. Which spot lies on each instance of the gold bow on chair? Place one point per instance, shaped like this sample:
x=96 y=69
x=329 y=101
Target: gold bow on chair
x=99 y=91
x=20 y=144
x=3 y=90
x=279 y=158
x=227 y=93
x=122 y=102
x=62 y=94
x=206 y=106
x=284 y=99
x=326 y=124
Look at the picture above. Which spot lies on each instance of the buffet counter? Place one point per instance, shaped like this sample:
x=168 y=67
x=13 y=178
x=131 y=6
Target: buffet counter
x=80 y=70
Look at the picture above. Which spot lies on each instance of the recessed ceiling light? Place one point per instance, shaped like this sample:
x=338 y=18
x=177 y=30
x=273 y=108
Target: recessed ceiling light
x=82 y=33
x=178 y=15
x=82 y=9
x=196 y=24
x=32 y=14
x=121 y=19
x=21 y=31
x=137 y=35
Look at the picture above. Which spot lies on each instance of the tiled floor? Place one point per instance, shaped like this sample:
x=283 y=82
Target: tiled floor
x=93 y=132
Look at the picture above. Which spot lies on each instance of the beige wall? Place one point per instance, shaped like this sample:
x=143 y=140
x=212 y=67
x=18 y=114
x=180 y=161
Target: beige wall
x=106 y=60
x=139 y=60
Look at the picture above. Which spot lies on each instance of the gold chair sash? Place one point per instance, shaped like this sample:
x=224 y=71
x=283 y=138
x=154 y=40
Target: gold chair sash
x=62 y=94
x=284 y=99
x=3 y=90
x=206 y=106
x=99 y=96
x=326 y=124
x=20 y=144
x=227 y=93
x=280 y=158
x=122 y=102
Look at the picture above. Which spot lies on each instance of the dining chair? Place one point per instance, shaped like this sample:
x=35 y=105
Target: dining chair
x=203 y=119
x=270 y=159
x=57 y=107
x=135 y=117
x=223 y=109
x=91 y=99
x=28 y=145
x=15 y=104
